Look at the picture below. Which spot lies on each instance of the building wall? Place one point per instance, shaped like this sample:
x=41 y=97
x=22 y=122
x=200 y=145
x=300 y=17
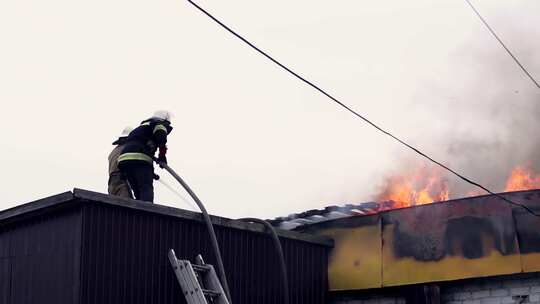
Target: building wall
x=447 y=241
x=125 y=259
x=513 y=289
x=90 y=248
x=414 y=294
x=39 y=259
x=510 y=289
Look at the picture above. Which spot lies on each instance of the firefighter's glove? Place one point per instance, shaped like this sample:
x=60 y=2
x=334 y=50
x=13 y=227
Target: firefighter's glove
x=162 y=152
x=162 y=159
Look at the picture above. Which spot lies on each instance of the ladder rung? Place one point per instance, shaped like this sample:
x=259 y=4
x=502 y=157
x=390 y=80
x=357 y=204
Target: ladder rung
x=211 y=293
x=200 y=268
x=199 y=282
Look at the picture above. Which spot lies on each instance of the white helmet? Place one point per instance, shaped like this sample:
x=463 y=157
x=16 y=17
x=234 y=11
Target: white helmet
x=163 y=115
x=126 y=131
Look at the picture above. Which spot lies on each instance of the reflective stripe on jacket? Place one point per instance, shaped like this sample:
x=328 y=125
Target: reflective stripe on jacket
x=134 y=156
x=143 y=141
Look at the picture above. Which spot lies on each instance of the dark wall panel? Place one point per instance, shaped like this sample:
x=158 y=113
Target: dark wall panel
x=5 y=267
x=125 y=260
x=39 y=259
x=5 y=280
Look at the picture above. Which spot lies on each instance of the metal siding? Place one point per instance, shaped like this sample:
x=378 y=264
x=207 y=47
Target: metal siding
x=5 y=267
x=5 y=280
x=39 y=259
x=125 y=260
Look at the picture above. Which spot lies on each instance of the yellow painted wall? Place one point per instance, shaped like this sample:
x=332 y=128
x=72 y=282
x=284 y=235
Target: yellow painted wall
x=355 y=262
x=454 y=240
x=530 y=262
x=402 y=271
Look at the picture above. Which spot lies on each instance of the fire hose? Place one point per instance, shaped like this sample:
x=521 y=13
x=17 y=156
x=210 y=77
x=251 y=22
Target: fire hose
x=215 y=245
x=279 y=252
x=209 y=226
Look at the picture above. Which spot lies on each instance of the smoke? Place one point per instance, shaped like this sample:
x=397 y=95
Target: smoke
x=503 y=121
x=490 y=116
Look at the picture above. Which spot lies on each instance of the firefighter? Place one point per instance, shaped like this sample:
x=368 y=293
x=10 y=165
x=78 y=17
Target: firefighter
x=136 y=160
x=117 y=182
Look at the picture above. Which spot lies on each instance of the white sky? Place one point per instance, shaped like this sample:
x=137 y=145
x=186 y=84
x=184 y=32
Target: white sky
x=248 y=138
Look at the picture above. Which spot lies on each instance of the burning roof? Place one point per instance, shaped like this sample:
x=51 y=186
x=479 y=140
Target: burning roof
x=378 y=246
x=329 y=213
x=418 y=186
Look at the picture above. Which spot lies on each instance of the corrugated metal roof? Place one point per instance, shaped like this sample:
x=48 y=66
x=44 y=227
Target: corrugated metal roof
x=333 y=212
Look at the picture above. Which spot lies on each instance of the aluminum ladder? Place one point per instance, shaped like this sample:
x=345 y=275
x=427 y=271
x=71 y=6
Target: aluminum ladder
x=199 y=281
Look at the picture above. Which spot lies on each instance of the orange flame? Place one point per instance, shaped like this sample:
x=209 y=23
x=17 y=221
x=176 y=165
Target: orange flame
x=475 y=192
x=418 y=187
x=522 y=178
x=425 y=185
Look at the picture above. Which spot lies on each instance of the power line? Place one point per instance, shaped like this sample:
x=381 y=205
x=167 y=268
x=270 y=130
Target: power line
x=320 y=90
x=502 y=44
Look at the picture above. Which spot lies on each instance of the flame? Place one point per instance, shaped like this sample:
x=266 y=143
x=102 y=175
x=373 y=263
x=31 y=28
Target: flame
x=522 y=178
x=427 y=184
x=475 y=192
x=416 y=187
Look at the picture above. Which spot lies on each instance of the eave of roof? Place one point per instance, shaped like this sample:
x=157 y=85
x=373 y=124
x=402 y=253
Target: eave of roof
x=78 y=196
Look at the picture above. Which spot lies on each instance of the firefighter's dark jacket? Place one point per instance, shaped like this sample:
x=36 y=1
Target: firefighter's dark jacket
x=120 y=141
x=143 y=141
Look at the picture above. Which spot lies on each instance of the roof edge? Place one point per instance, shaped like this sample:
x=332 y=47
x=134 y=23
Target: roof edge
x=195 y=216
x=36 y=205
x=383 y=212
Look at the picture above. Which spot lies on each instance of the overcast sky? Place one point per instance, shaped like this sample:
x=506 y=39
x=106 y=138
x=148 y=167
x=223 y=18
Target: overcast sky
x=250 y=139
